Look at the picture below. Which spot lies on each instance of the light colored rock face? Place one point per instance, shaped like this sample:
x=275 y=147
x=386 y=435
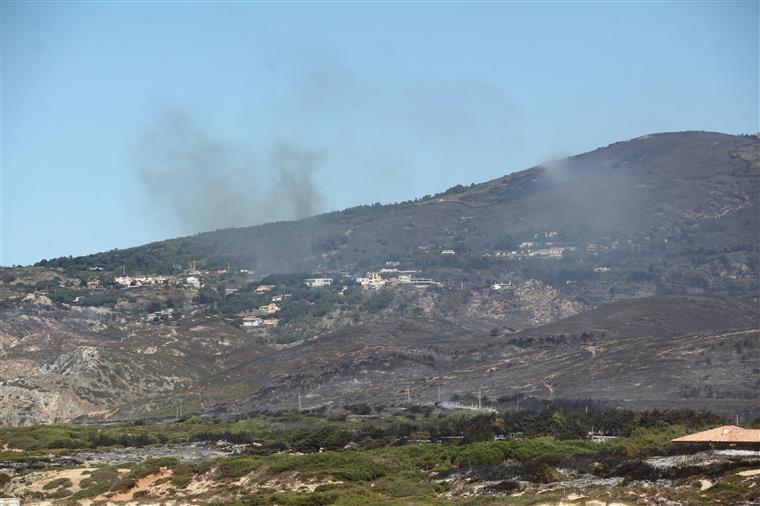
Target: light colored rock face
x=38 y=300
x=22 y=405
x=545 y=302
x=525 y=305
x=82 y=361
x=78 y=382
x=61 y=362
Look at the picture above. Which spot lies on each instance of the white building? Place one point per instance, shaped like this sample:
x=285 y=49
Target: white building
x=193 y=281
x=318 y=282
x=252 y=321
x=269 y=309
x=423 y=282
x=127 y=281
x=373 y=281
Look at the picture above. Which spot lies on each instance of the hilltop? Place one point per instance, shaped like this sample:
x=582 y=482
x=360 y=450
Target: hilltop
x=668 y=193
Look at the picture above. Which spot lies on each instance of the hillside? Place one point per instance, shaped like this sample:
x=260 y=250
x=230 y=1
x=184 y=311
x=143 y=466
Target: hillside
x=668 y=193
x=627 y=275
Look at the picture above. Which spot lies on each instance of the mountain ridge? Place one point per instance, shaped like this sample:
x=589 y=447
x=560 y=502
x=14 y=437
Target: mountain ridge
x=315 y=236
x=627 y=274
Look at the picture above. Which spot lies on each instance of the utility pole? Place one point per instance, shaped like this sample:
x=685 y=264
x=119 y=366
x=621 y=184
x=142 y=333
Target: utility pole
x=408 y=395
x=737 y=419
x=479 y=396
x=300 y=407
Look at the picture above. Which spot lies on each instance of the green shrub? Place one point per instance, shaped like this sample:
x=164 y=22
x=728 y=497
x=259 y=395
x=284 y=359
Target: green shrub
x=236 y=467
x=91 y=491
x=60 y=494
x=644 y=442
x=146 y=468
x=480 y=454
x=100 y=476
x=184 y=473
x=348 y=465
x=4 y=480
x=58 y=483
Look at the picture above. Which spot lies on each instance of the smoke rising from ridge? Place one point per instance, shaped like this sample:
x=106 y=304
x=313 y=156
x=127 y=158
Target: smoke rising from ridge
x=207 y=184
x=387 y=142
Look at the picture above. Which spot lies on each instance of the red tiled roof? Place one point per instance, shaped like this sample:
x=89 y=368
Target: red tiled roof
x=725 y=434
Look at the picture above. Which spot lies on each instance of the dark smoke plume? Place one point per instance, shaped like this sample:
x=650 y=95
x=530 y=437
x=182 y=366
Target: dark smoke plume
x=208 y=184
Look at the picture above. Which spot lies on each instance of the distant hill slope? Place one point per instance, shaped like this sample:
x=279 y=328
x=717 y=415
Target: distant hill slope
x=670 y=193
x=628 y=275
x=653 y=352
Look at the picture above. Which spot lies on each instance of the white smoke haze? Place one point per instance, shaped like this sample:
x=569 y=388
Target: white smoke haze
x=583 y=190
x=205 y=183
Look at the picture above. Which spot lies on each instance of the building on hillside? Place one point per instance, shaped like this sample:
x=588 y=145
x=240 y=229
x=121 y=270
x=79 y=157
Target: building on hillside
x=164 y=314
x=448 y=252
x=252 y=321
x=373 y=281
x=193 y=281
x=554 y=252
x=318 y=282
x=727 y=436
x=423 y=282
x=263 y=288
x=501 y=286
x=93 y=283
x=127 y=281
x=269 y=309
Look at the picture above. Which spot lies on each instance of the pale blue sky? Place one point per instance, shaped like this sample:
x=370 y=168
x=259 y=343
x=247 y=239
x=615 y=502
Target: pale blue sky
x=394 y=100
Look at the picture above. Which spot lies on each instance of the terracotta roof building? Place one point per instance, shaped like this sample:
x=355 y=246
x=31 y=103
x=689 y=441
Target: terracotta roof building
x=726 y=435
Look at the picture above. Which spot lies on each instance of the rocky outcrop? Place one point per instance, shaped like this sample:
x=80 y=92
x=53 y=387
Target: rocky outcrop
x=528 y=304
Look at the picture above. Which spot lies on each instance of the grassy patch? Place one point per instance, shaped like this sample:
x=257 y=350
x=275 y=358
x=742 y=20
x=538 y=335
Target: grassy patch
x=235 y=467
x=347 y=465
x=58 y=483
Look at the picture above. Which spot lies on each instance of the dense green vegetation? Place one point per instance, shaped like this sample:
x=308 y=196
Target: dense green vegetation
x=304 y=432
x=372 y=460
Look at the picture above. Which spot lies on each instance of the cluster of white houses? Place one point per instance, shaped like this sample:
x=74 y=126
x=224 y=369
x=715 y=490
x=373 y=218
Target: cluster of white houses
x=318 y=282
x=374 y=280
x=157 y=280
x=526 y=251
x=256 y=321
x=128 y=281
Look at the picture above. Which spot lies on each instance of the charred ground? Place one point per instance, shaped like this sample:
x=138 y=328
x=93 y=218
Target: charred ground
x=627 y=274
